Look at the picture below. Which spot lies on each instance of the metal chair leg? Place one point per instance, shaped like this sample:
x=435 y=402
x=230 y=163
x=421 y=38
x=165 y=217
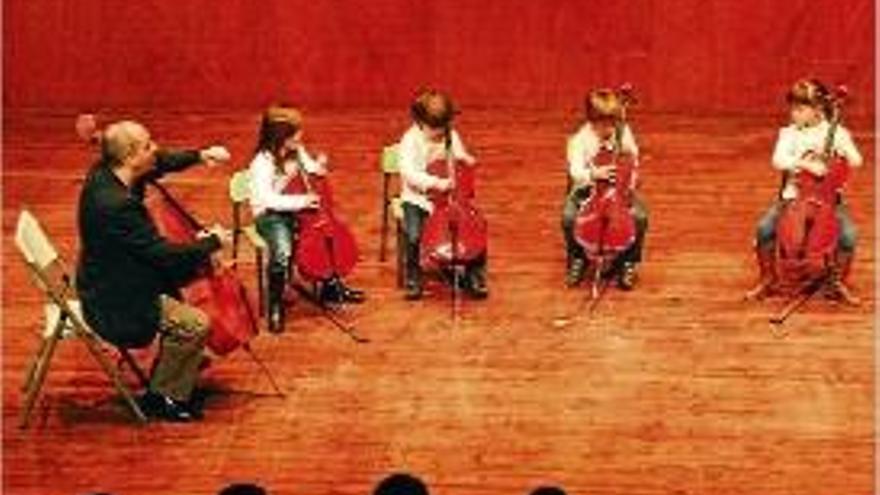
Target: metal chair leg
x=37 y=376
x=261 y=283
x=32 y=368
x=93 y=346
x=135 y=367
x=383 y=234
x=401 y=256
x=236 y=232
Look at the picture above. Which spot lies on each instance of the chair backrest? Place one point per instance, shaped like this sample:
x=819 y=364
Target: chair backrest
x=389 y=161
x=240 y=186
x=33 y=243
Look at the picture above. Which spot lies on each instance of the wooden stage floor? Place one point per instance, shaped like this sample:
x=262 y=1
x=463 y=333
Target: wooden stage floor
x=676 y=388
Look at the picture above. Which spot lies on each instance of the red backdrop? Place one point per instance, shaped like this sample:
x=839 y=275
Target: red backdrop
x=683 y=55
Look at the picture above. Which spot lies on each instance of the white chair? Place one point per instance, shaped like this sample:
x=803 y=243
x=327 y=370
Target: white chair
x=62 y=316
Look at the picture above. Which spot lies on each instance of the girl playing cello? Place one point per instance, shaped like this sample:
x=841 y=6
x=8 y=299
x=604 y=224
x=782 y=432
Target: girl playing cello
x=280 y=157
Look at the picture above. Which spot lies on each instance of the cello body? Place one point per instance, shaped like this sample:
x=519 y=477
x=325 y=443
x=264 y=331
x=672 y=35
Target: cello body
x=456 y=232
x=325 y=246
x=807 y=231
x=217 y=291
x=605 y=225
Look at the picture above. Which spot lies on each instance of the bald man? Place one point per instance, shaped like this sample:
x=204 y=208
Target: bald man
x=128 y=275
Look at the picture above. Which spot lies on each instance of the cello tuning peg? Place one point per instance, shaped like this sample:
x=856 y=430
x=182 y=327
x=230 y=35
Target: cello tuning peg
x=626 y=92
x=87 y=127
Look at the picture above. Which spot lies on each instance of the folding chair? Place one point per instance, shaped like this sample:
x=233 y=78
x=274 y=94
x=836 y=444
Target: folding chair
x=63 y=316
x=389 y=165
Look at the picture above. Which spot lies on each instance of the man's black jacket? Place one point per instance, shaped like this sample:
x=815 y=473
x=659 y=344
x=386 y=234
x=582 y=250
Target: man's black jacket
x=124 y=264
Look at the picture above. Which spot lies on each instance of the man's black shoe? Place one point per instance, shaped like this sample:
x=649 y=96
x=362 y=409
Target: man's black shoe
x=156 y=405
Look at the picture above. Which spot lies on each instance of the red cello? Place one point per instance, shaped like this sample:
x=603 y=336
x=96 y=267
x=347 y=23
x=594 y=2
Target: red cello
x=216 y=290
x=456 y=232
x=605 y=226
x=326 y=247
x=807 y=231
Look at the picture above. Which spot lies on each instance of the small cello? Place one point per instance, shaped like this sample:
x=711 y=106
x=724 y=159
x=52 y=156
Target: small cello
x=807 y=230
x=326 y=247
x=605 y=226
x=456 y=232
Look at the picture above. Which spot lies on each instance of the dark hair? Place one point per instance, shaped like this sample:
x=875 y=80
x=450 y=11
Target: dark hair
x=401 y=484
x=278 y=123
x=433 y=108
x=548 y=490
x=243 y=489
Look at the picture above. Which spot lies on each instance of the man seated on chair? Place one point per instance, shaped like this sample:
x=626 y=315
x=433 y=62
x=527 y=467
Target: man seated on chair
x=128 y=275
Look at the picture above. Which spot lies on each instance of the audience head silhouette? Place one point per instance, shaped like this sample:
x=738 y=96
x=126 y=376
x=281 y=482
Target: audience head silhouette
x=401 y=484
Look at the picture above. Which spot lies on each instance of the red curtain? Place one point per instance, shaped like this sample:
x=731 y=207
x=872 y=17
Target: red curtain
x=683 y=55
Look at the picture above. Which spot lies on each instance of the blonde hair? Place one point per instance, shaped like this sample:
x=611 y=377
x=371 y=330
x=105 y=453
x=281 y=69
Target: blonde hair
x=604 y=104
x=283 y=113
x=810 y=92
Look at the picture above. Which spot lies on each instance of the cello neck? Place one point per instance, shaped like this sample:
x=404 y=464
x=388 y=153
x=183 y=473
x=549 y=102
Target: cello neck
x=828 y=147
x=176 y=206
x=450 y=164
x=836 y=101
x=450 y=170
x=617 y=143
x=625 y=92
x=306 y=180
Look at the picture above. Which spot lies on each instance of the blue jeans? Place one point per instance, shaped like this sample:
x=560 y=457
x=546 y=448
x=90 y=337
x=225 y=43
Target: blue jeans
x=765 y=233
x=570 y=209
x=279 y=231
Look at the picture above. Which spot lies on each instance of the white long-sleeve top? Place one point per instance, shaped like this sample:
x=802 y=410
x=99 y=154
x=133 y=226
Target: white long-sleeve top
x=268 y=182
x=415 y=151
x=585 y=144
x=794 y=142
